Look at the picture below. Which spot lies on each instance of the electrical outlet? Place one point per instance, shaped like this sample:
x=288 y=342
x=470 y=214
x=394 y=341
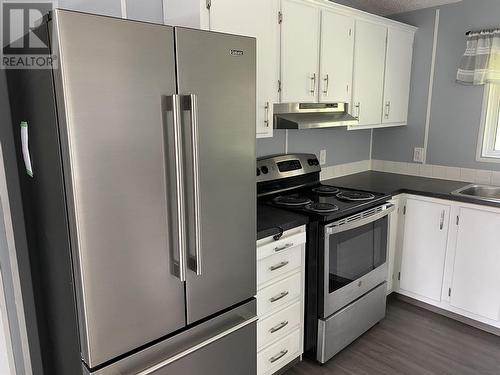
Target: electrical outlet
x=418 y=155
x=322 y=157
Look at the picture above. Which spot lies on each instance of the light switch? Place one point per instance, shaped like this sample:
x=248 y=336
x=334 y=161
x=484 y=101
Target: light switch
x=418 y=155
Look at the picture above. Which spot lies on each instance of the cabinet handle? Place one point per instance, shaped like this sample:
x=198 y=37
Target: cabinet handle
x=387 y=109
x=441 y=223
x=266 y=121
x=284 y=247
x=278 y=356
x=279 y=326
x=313 y=84
x=358 y=109
x=327 y=85
x=279 y=296
x=278 y=266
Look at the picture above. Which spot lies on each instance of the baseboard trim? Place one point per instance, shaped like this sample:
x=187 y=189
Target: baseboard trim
x=462 y=319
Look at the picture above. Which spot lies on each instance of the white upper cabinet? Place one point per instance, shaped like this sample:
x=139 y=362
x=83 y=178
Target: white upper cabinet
x=258 y=19
x=300 y=30
x=424 y=248
x=475 y=285
x=336 y=57
x=369 y=67
x=397 y=76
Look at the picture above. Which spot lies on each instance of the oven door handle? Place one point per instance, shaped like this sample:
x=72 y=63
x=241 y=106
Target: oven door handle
x=360 y=219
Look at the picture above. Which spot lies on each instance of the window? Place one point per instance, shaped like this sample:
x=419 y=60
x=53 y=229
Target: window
x=489 y=149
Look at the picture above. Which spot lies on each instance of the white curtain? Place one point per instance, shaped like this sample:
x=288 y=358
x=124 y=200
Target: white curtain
x=481 y=61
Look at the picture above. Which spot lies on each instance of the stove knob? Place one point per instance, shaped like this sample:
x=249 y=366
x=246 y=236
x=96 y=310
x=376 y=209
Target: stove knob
x=264 y=169
x=258 y=172
x=310 y=161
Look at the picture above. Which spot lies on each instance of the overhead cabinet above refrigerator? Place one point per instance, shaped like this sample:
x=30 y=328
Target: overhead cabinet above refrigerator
x=141 y=175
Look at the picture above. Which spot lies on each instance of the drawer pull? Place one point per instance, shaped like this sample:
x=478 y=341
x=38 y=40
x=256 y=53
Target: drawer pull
x=278 y=266
x=278 y=356
x=284 y=247
x=278 y=297
x=279 y=327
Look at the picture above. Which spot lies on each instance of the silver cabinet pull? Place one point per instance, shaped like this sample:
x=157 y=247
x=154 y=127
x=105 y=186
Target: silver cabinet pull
x=279 y=327
x=173 y=136
x=266 y=121
x=387 y=109
x=278 y=356
x=313 y=84
x=441 y=222
x=327 y=85
x=278 y=266
x=279 y=296
x=358 y=109
x=284 y=247
x=191 y=105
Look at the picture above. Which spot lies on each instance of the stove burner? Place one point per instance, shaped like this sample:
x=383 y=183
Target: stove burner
x=292 y=200
x=326 y=190
x=322 y=208
x=355 y=196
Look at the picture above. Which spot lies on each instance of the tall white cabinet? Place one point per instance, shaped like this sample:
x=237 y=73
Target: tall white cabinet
x=397 y=76
x=369 y=66
x=258 y=19
x=300 y=31
x=336 y=57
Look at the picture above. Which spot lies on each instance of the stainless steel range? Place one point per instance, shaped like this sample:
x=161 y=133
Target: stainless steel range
x=347 y=250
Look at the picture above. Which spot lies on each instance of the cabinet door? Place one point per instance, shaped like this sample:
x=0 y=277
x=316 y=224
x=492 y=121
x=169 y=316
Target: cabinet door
x=257 y=18
x=476 y=272
x=103 y=7
x=299 y=51
x=424 y=248
x=369 y=64
x=337 y=35
x=397 y=76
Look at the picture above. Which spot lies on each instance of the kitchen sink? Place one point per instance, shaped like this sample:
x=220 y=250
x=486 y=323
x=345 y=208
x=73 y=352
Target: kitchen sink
x=480 y=192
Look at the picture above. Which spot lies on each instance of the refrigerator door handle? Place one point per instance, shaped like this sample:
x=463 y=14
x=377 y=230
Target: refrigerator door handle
x=173 y=137
x=192 y=106
x=199 y=346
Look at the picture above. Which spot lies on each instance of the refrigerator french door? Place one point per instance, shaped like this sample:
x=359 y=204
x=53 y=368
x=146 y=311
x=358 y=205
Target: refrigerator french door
x=156 y=131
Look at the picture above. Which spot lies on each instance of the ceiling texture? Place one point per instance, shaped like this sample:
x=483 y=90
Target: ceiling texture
x=387 y=7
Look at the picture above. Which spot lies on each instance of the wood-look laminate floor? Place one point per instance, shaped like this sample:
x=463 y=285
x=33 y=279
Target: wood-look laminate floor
x=413 y=341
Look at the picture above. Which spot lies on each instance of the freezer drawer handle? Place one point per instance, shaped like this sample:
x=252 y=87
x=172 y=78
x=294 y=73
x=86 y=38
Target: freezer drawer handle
x=278 y=297
x=197 y=347
x=278 y=356
x=279 y=327
x=278 y=266
x=286 y=246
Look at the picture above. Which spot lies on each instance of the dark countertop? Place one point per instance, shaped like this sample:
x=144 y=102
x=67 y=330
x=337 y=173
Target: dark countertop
x=271 y=219
x=392 y=183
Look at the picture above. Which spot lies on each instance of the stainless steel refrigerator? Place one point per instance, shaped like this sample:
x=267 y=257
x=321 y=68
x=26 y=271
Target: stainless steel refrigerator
x=141 y=206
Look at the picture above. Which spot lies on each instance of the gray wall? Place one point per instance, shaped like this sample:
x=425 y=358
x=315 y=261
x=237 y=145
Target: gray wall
x=456 y=109
x=341 y=146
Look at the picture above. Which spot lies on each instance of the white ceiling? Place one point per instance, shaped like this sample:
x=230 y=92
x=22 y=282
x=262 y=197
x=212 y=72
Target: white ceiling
x=386 y=7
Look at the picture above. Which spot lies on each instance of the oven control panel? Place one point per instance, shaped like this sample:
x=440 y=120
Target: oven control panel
x=289 y=165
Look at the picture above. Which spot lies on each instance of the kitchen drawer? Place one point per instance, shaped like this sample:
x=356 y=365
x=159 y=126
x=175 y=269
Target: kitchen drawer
x=278 y=264
x=278 y=324
x=279 y=354
x=290 y=239
x=279 y=294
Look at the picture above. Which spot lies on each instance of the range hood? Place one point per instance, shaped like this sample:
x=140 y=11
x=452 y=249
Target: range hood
x=312 y=115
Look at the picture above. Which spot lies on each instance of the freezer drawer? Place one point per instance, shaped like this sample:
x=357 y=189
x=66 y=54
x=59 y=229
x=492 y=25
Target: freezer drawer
x=343 y=327
x=225 y=344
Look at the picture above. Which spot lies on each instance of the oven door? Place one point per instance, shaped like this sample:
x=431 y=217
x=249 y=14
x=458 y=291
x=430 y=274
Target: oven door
x=355 y=257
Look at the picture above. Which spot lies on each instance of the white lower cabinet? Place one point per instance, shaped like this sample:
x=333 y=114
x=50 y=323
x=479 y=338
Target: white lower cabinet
x=280 y=300
x=448 y=256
